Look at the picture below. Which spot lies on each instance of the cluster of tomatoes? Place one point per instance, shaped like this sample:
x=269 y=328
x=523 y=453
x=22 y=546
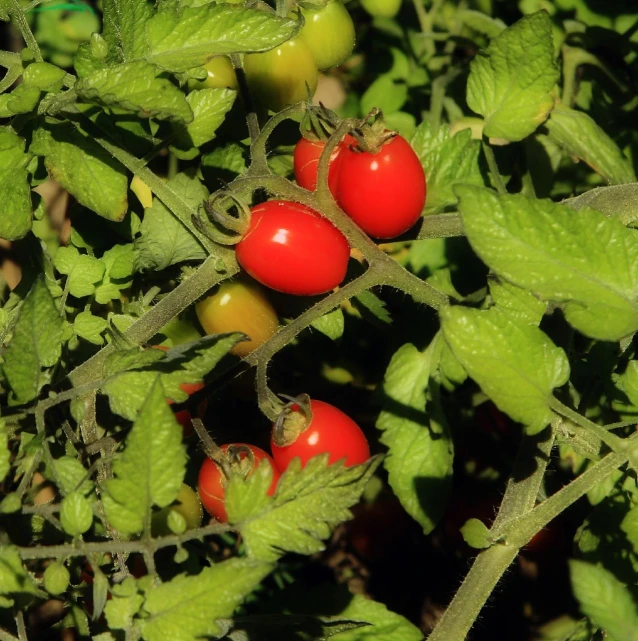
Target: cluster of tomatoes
x=330 y=431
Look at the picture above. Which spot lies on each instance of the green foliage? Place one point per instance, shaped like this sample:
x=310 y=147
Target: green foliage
x=515 y=364
x=420 y=448
x=308 y=504
x=150 y=471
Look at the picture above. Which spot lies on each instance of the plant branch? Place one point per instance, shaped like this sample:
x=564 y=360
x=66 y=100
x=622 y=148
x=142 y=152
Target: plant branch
x=151 y=545
x=493 y=167
x=6 y=636
x=21 y=20
x=490 y=565
x=251 y=115
x=441 y=226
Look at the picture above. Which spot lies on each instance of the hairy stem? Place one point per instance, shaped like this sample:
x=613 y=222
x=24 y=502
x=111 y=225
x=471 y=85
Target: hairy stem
x=493 y=167
x=21 y=20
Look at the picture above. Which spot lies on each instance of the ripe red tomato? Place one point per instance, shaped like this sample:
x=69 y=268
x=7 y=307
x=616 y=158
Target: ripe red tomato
x=292 y=249
x=330 y=431
x=212 y=482
x=306 y=162
x=383 y=193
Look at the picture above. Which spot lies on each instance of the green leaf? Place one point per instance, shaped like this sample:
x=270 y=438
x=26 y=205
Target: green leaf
x=14 y=579
x=476 y=534
x=618 y=200
x=605 y=600
x=89 y=327
x=83 y=271
x=56 y=578
x=163 y=240
x=447 y=160
x=491 y=27
x=516 y=302
x=629 y=526
x=17 y=210
x=136 y=87
x=226 y=162
x=182 y=609
x=5 y=453
x=420 y=447
x=72 y=475
x=510 y=82
x=584 y=260
x=372 y=307
x=83 y=168
x=119 y=264
x=385 y=625
x=331 y=324
x=76 y=515
x=386 y=94
x=125 y=604
x=151 y=469
x=36 y=343
x=44 y=76
x=516 y=365
x=179 y=41
x=209 y=107
x=124 y=24
x=579 y=135
x=306 y=507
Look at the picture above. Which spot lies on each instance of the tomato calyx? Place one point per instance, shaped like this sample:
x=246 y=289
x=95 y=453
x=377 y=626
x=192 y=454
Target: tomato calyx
x=372 y=134
x=228 y=218
x=319 y=123
x=293 y=419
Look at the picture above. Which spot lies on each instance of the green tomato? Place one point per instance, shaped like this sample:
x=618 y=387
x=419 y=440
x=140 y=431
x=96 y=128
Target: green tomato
x=278 y=78
x=329 y=34
x=221 y=75
x=187 y=504
x=381 y=8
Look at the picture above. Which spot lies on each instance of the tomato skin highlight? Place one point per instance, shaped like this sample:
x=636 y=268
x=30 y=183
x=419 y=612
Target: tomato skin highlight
x=306 y=162
x=329 y=34
x=239 y=307
x=212 y=490
x=278 y=78
x=290 y=248
x=384 y=193
x=330 y=431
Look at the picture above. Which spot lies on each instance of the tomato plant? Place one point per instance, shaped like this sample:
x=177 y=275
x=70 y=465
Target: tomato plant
x=383 y=192
x=329 y=432
x=329 y=34
x=282 y=76
x=240 y=459
x=480 y=346
x=239 y=307
x=291 y=248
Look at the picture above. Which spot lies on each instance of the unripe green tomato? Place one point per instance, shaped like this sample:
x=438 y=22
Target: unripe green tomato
x=187 y=505
x=381 y=8
x=221 y=75
x=278 y=78
x=56 y=578
x=329 y=34
x=239 y=307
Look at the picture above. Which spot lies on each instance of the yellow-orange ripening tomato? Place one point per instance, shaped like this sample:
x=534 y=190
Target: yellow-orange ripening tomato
x=220 y=74
x=187 y=504
x=239 y=307
x=329 y=34
x=278 y=78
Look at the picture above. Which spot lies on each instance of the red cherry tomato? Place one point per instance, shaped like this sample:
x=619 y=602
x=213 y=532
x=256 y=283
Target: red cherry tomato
x=383 y=193
x=292 y=249
x=330 y=431
x=212 y=482
x=306 y=162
